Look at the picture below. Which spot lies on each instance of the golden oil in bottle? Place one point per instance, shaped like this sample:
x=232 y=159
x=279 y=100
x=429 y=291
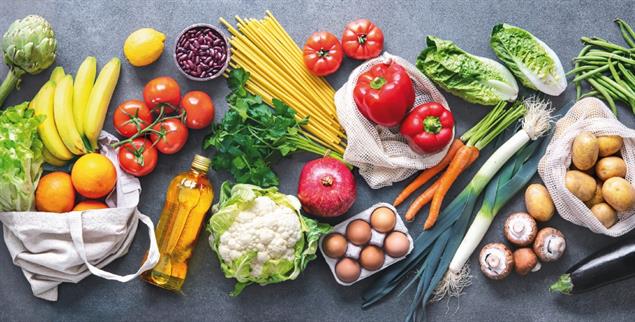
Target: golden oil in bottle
x=187 y=201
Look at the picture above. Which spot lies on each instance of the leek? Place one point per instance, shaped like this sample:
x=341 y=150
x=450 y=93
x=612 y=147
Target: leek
x=434 y=249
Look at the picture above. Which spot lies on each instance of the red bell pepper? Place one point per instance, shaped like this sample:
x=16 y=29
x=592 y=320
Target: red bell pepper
x=428 y=128
x=384 y=94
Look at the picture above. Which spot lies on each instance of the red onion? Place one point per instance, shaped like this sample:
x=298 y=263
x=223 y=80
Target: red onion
x=326 y=187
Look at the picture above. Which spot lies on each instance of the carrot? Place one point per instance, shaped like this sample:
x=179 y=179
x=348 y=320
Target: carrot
x=421 y=201
x=428 y=174
x=463 y=159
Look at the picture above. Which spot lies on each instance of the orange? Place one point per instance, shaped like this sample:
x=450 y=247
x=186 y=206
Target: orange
x=89 y=205
x=93 y=175
x=55 y=193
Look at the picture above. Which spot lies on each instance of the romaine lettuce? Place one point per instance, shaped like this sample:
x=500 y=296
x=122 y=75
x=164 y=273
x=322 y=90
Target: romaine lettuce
x=20 y=157
x=535 y=64
x=475 y=79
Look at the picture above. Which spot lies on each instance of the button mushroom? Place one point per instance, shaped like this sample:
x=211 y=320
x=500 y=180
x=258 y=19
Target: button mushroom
x=550 y=244
x=525 y=261
x=520 y=229
x=496 y=261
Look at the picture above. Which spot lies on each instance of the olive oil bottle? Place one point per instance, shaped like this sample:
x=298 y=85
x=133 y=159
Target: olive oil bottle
x=187 y=201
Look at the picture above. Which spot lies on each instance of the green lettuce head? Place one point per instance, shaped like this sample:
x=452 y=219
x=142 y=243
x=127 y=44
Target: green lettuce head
x=260 y=236
x=473 y=78
x=535 y=64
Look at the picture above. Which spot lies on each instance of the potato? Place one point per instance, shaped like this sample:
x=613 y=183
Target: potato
x=584 y=151
x=538 y=202
x=609 y=145
x=610 y=167
x=580 y=184
x=618 y=193
x=605 y=214
x=597 y=197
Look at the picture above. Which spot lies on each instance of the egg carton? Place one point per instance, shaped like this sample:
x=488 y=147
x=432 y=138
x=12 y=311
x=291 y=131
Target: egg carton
x=376 y=239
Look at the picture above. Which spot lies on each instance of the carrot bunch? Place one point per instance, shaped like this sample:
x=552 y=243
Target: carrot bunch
x=462 y=154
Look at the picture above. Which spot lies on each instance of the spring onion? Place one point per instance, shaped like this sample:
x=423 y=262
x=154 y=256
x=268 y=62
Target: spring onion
x=434 y=249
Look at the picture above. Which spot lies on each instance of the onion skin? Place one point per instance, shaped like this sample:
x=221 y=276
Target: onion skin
x=326 y=187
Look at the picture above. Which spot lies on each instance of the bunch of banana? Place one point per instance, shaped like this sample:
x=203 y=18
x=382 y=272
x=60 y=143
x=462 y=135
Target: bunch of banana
x=74 y=111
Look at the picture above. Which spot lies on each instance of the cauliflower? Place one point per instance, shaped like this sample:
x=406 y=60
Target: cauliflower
x=269 y=229
x=260 y=236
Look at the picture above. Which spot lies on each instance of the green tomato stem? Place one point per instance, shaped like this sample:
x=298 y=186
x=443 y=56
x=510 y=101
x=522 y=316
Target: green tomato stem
x=8 y=85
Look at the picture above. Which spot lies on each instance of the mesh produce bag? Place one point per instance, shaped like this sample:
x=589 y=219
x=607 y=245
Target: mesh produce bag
x=382 y=155
x=53 y=248
x=589 y=114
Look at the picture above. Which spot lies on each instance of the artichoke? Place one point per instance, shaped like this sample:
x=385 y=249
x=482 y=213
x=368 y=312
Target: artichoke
x=29 y=46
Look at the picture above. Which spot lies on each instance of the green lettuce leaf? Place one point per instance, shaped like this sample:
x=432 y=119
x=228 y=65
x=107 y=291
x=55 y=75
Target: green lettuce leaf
x=476 y=79
x=237 y=198
x=535 y=64
x=20 y=157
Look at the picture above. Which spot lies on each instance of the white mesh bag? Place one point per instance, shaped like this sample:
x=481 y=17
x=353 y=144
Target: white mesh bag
x=382 y=155
x=589 y=114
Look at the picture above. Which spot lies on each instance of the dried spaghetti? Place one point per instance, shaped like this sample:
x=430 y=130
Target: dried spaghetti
x=275 y=62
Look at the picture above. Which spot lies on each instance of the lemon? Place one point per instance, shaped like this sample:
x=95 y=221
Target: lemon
x=144 y=46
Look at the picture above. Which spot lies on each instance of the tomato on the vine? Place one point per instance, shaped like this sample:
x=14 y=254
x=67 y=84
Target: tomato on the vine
x=169 y=136
x=199 y=109
x=362 y=39
x=131 y=116
x=322 y=53
x=162 y=90
x=138 y=157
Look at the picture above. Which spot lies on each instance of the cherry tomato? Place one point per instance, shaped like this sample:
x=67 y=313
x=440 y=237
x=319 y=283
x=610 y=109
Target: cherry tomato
x=131 y=116
x=199 y=109
x=172 y=137
x=362 y=39
x=323 y=53
x=138 y=157
x=162 y=90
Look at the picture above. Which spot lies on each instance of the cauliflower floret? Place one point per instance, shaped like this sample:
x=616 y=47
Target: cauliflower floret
x=269 y=229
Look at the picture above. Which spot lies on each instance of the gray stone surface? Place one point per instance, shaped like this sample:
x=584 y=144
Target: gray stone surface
x=99 y=28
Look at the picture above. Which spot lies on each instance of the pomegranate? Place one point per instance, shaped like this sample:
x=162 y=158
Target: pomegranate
x=326 y=187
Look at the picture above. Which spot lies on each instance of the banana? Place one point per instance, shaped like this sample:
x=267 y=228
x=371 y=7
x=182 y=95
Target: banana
x=84 y=80
x=42 y=104
x=57 y=74
x=51 y=159
x=63 y=114
x=97 y=106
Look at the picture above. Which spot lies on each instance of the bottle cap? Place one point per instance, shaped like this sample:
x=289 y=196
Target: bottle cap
x=201 y=163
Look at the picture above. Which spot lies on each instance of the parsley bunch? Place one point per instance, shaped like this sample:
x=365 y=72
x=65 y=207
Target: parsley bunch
x=252 y=135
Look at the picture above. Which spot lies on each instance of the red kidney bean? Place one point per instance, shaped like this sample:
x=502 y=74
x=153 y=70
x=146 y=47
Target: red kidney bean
x=201 y=52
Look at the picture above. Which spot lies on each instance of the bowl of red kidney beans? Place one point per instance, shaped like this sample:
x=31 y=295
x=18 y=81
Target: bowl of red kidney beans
x=202 y=52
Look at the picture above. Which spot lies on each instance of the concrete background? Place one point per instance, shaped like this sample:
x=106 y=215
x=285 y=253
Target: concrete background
x=99 y=28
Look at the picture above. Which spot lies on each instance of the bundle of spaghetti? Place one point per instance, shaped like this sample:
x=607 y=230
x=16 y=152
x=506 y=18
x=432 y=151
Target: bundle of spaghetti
x=276 y=67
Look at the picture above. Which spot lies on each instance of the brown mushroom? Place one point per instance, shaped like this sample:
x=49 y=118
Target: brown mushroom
x=550 y=244
x=525 y=261
x=520 y=229
x=496 y=261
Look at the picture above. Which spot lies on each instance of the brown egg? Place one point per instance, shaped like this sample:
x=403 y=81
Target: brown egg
x=371 y=258
x=383 y=219
x=396 y=244
x=358 y=232
x=335 y=245
x=347 y=270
